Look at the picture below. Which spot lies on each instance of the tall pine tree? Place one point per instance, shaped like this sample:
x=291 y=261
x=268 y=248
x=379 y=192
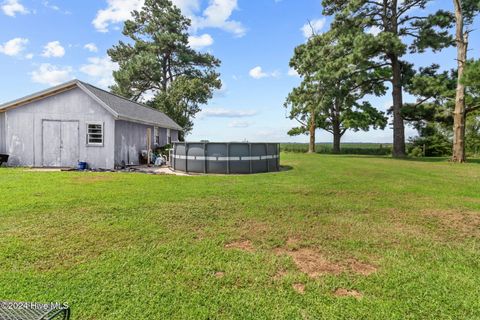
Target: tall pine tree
x=395 y=27
x=158 y=60
x=465 y=11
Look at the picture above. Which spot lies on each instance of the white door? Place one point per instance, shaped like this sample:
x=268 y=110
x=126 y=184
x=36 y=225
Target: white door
x=60 y=143
x=51 y=143
x=69 y=153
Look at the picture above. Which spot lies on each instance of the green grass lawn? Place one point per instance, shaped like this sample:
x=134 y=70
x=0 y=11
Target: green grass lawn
x=334 y=237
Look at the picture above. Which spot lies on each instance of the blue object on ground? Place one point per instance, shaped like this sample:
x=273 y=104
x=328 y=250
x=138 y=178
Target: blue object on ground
x=82 y=166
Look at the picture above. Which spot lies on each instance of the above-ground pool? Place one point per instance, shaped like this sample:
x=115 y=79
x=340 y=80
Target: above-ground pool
x=225 y=157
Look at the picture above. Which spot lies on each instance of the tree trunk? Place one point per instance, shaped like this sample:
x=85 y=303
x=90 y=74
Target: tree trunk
x=397 y=95
x=459 y=115
x=311 y=145
x=337 y=135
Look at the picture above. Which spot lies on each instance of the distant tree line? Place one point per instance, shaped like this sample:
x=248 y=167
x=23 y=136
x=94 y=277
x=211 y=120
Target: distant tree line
x=363 y=54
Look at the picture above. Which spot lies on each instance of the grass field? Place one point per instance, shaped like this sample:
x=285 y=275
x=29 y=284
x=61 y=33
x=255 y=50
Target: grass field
x=332 y=237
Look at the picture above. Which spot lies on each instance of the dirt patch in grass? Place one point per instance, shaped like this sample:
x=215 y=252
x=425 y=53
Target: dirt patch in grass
x=464 y=223
x=311 y=262
x=244 y=245
x=439 y=225
x=359 y=267
x=315 y=264
x=299 y=288
x=342 y=292
x=219 y=274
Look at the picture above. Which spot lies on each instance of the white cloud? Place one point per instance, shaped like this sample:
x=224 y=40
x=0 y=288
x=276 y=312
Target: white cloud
x=239 y=124
x=91 y=47
x=374 y=30
x=188 y=7
x=47 y=4
x=216 y=14
x=313 y=27
x=29 y=56
x=293 y=73
x=53 y=49
x=54 y=7
x=199 y=42
x=258 y=73
x=102 y=69
x=12 y=7
x=13 y=47
x=51 y=75
x=227 y=113
x=117 y=11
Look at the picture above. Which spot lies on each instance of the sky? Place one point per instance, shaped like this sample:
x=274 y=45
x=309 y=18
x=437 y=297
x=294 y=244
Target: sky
x=48 y=42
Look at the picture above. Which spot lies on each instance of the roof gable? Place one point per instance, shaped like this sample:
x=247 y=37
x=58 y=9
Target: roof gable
x=121 y=108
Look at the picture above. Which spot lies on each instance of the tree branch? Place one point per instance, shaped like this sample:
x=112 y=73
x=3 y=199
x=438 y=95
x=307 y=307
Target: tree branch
x=470 y=109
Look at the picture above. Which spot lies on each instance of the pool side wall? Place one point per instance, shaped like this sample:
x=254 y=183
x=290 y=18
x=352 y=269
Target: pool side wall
x=226 y=158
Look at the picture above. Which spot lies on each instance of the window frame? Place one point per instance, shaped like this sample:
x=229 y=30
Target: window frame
x=156 y=136
x=87 y=133
x=169 y=136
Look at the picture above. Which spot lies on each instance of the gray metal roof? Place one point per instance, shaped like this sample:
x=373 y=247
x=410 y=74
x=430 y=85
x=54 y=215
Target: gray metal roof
x=120 y=107
x=131 y=110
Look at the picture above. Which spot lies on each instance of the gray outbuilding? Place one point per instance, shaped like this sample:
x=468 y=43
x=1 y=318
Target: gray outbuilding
x=76 y=121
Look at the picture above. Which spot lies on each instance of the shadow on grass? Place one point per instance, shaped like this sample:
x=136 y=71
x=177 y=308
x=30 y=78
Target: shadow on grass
x=286 y=168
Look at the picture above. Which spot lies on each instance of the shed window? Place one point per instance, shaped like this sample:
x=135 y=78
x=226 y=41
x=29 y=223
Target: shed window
x=95 y=134
x=156 y=134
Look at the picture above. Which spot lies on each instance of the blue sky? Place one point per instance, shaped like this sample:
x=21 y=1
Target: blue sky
x=43 y=43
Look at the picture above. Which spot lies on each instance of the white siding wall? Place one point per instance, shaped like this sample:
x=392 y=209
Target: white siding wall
x=24 y=129
x=130 y=140
x=2 y=133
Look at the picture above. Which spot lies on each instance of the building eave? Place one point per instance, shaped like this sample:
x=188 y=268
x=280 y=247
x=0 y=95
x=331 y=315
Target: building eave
x=38 y=96
x=147 y=123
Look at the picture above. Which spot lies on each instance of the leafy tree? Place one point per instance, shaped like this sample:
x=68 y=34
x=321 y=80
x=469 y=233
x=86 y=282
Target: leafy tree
x=472 y=133
x=158 y=60
x=330 y=94
x=433 y=113
x=433 y=140
x=303 y=102
x=471 y=81
x=399 y=31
